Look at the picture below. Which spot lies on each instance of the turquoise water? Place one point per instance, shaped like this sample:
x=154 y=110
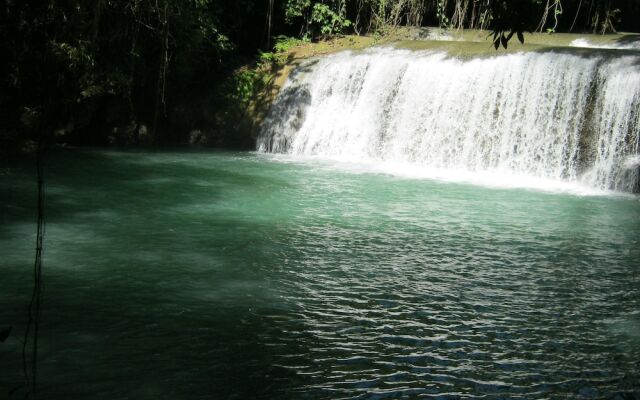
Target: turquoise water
x=236 y=275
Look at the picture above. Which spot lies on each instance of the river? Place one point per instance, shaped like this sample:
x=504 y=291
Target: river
x=198 y=275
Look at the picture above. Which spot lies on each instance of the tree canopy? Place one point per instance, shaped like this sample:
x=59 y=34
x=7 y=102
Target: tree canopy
x=136 y=71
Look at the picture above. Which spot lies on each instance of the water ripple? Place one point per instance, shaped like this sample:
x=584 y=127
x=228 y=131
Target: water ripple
x=325 y=284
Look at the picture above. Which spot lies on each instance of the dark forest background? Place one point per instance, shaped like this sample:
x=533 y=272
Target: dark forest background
x=153 y=72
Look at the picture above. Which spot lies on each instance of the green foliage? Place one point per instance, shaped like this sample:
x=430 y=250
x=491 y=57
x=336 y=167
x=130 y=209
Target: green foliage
x=294 y=9
x=382 y=11
x=268 y=58
x=284 y=43
x=245 y=83
x=76 y=56
x=377 y=36
x=328 y=21
x=319 y=18
x=441 y=14
x=90 y=68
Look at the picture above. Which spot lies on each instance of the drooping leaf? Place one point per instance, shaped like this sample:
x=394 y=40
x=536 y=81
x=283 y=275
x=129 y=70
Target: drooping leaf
x=521 y=37
x=504 y=41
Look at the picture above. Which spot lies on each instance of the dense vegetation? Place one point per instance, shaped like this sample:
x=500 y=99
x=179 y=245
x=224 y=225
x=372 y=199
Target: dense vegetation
x=154 y=72
x=362 y=16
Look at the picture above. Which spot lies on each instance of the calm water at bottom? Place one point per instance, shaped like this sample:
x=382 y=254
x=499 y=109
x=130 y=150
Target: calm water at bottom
x=236 y=276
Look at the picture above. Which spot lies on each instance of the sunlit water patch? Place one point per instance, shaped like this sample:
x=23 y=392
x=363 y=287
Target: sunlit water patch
x=227 y=275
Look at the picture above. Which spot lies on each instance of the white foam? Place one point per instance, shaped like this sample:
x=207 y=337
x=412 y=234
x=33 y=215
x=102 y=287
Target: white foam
x=491 y=179
x=585 y=43
x=516 y=120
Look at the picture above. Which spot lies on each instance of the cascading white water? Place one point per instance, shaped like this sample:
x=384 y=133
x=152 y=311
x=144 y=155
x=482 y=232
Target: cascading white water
x=550 y=115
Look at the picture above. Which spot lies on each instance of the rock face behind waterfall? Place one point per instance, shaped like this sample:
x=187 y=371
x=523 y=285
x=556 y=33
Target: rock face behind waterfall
x=560 y=115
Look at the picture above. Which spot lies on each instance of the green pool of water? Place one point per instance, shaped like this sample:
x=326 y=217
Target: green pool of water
x=235 y=275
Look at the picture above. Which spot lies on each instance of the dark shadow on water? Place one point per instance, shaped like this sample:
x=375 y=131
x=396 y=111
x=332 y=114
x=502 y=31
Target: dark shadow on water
x=116 y=324
x=81 y=182
x=104 y=341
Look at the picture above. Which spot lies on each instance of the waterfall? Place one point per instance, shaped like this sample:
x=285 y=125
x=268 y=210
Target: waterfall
x=565 y=116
